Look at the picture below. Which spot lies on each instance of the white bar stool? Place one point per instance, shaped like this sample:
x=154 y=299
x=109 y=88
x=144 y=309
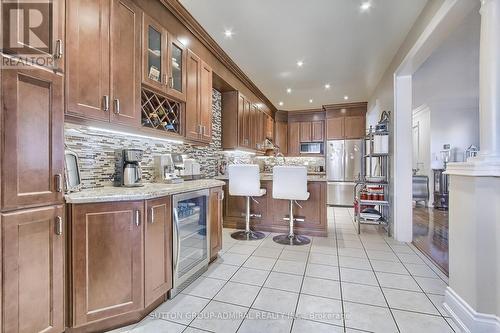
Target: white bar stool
x=244 y=180
x=290 y=183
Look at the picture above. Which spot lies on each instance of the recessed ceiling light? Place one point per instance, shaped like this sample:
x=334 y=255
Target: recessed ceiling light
x=228 y=33
x=281 y=103
x=346 y=97
x=327 y=86
x=288 y=90
x=365 y=6
x=310 y=101
x=300 y=63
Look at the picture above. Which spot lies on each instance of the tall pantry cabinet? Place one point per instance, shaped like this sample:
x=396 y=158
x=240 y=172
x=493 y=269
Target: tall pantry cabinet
x=31 y=200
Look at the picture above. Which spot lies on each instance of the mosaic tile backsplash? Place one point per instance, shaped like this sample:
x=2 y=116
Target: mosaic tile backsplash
x=96 y=150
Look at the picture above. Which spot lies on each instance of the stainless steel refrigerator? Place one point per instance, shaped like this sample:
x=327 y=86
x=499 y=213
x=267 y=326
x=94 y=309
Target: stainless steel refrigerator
x=343 y=167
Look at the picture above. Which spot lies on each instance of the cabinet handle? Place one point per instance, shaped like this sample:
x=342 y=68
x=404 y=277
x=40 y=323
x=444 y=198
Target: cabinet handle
x=105 y=102
x=59 y=51
x=164 y=79
x=117 y=106
x=59 y=226
x=221 y=195
x=152 y=214
x=171 y=82
x=137 y=218
x=200 y=129
x=58 y=179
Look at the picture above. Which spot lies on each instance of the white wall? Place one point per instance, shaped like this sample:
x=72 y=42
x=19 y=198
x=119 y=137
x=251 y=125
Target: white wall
x=382 y=98
x=448 y=83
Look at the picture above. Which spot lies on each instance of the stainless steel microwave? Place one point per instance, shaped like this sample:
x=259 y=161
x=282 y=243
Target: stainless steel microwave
x=312 y=148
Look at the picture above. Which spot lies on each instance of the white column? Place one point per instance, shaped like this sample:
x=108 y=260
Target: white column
x=490 y=79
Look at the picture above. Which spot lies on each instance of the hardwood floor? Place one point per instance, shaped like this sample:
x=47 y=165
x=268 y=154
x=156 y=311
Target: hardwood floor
x=430 y=234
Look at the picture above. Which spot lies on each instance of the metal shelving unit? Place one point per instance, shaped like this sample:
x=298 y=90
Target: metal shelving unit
x=369 y=160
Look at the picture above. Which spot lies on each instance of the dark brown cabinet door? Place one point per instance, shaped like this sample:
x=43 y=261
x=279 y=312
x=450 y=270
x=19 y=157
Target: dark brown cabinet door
x=282 y=136
x=269 y=127
x=155 y=54
x=33 y=147
x=193 y=96
x=216 y=200
x=305 y=132
x=33 y=270
x=87 y=71
x=125 y=62
x=244 y=121
x=206 y=102
x=107 y=260
x=293 y=139
x=318 y=129
x=335 y=128
x=355 y=127
x=158 y=249
x=176 y=65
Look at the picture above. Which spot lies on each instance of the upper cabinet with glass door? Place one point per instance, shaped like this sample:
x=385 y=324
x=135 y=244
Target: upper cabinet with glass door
x=176 y=85
x=164 y=60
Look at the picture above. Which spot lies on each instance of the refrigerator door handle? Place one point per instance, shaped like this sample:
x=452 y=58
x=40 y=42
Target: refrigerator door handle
x=177 y=243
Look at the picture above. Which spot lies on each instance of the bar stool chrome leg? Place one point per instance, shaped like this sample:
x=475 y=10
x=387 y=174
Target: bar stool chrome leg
x=291 y=238
x=248 y=234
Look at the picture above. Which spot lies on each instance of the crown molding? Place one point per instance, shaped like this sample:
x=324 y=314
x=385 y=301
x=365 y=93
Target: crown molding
x=176 y=8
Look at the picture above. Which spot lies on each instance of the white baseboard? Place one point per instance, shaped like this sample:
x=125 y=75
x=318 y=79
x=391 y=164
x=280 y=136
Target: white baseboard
x=466 y=318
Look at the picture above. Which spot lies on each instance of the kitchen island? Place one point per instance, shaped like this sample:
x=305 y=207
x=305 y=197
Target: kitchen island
x=272 y=211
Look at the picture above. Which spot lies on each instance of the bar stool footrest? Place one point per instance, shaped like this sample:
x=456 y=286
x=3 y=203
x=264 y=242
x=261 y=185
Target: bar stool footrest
x=294 y=240
x=248 y=235
x=299 y=219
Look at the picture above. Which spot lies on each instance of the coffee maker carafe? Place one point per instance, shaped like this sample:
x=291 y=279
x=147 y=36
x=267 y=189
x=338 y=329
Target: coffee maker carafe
x=128 y=171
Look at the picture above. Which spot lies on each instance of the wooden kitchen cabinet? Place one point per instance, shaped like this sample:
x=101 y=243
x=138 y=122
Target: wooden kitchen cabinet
x=317 y=131
x=106 y=260
x=157 y=249
x=33 y=270
x=237 y=121
x=198 y=99
x=103 y=81
x=282 y=136
x=294 y=139
x=312 y=131
x=346 y=121
x=125 y=64
x=355 y=127
x=335 y=128
x=206 y=102
x=216 y=212
x=305 y=131
x=33 y=139
x=164 y=60
x=87 y=70
x=269 y=127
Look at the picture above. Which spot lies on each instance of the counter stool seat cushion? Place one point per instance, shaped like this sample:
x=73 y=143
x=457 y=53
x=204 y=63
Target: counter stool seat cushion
x=244 y=180
x=290 y=183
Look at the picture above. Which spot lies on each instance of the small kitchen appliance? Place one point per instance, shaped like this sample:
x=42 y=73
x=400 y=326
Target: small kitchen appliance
x=186 y=168
x=128 y=171
x=191 y=238
x=165 y=170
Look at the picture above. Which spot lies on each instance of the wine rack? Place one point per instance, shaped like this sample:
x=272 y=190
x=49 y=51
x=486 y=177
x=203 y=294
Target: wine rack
x=160 y=113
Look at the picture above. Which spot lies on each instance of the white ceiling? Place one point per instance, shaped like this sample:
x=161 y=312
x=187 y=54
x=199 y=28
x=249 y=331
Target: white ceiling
x=338 y=43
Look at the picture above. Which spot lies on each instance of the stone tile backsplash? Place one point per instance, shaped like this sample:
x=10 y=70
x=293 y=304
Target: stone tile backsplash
x=96 y=150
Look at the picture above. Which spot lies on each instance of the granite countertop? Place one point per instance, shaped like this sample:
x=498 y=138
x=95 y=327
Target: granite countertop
x=148 y=191
x=321 y=177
